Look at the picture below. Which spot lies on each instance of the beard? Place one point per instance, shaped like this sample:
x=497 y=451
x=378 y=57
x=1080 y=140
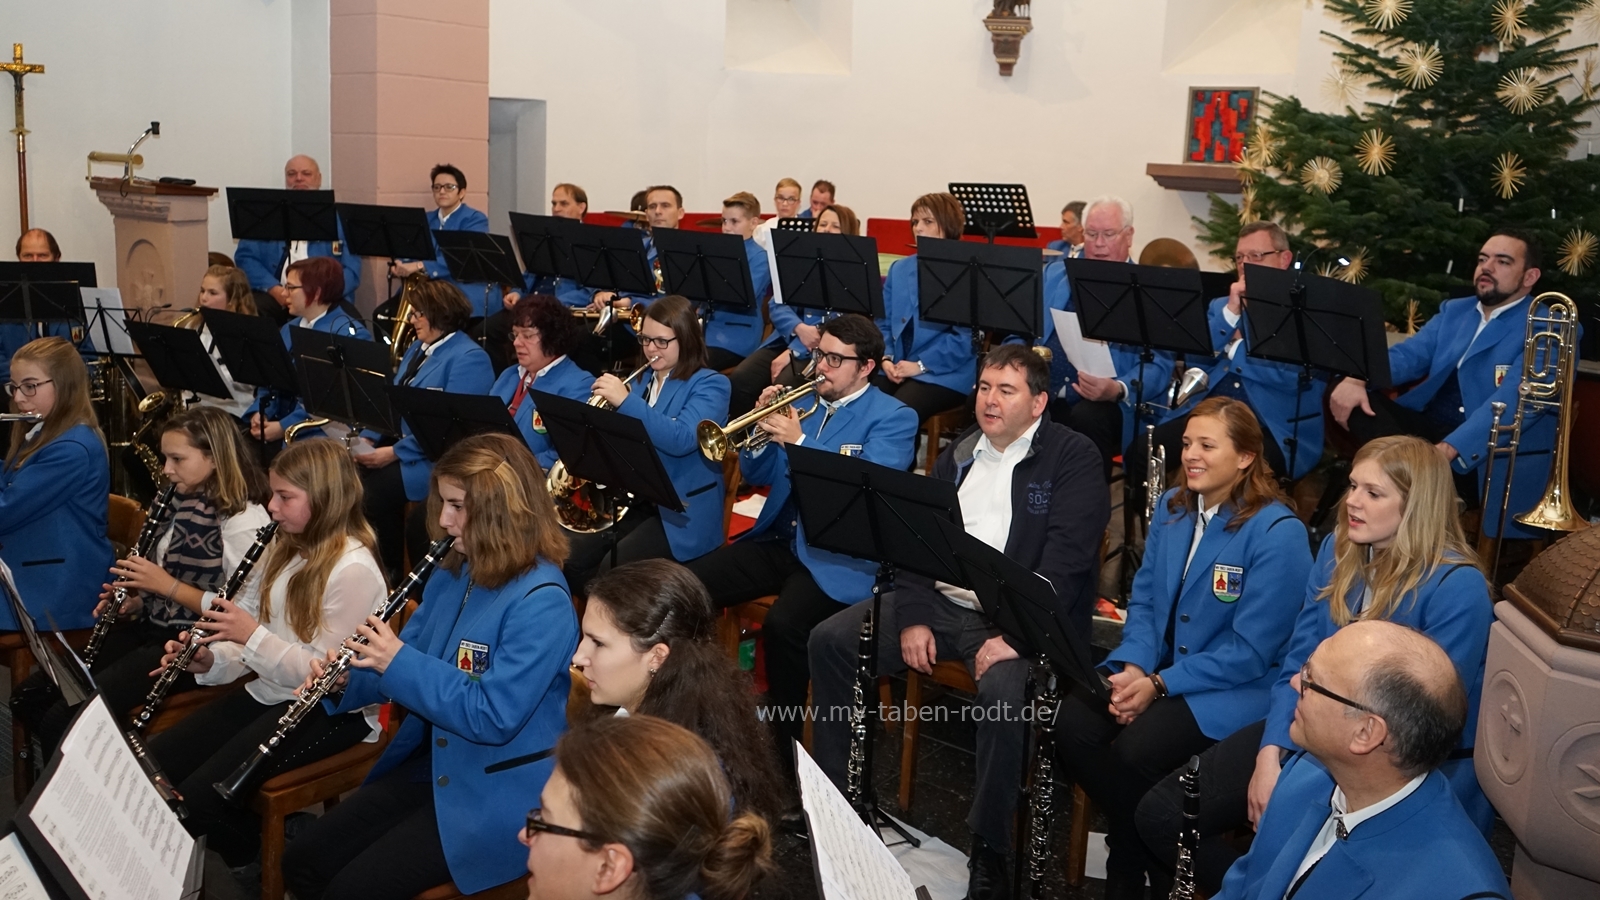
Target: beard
x=1491 y=296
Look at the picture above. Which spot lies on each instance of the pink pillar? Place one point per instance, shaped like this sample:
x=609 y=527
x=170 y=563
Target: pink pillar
x=410 y=89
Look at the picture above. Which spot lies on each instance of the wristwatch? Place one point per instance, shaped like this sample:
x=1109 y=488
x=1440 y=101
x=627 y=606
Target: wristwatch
x=922 y=369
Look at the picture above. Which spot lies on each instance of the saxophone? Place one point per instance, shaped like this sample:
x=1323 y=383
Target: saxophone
x=309 y=698
x=1189 y=839
x=169 y=675
x=153 y=520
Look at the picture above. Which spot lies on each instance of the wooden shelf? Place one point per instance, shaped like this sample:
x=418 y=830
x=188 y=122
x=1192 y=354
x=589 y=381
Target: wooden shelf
x=1223 y=179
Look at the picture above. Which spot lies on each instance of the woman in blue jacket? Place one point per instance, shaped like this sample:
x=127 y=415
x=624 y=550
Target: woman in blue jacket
x=927 y=366
x=481 y=668
x=442 y=358
x=543 y=333
x=1396 y=553
x=1207 y=623
x=54 y=490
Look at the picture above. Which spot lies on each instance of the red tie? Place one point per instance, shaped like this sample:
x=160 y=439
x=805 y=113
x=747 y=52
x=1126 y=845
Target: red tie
x=521 y=392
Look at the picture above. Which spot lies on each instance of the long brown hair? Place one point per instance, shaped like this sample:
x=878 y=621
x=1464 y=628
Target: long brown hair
x=658 y=601
x=511 y=523
x=67 y=374
x=1430 y=533
x=237 y=286
x=658 y=790
x=679 y=314
x=237 y=480
x=322 y=468
x=1256 y=487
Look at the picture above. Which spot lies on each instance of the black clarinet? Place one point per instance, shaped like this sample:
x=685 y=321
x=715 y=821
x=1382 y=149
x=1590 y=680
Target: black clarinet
x=153 y=771
x=1189 y=838
x=309 y=698
x=1041 y=789
x=146 y=545
x=856 y=774
x=169 y=675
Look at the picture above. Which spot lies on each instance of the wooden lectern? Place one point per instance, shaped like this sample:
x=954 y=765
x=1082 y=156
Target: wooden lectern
x=162 y=239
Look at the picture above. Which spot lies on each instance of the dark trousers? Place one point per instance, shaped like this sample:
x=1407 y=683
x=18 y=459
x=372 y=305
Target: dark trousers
x=927 y=399
x=384 y=502
x=1170 y=436
x=1390 y=418
x=1116 y=764
x=1225 y=771
x=381 y=844
x=1098 y=420
x=722 y=359
x=741 y=572
x=207 y=746
x=958 y=633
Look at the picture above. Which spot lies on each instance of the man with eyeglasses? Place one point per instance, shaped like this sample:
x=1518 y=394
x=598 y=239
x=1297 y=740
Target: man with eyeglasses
x=1363 y=811
x=451 y=213
x=847 y=415
x=265 y=262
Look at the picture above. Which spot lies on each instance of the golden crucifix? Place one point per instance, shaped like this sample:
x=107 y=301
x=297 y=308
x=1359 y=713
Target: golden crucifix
x=18 y=70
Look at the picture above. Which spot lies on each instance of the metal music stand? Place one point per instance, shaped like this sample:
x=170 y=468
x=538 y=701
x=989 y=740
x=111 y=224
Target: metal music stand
x=544 y=243
x=982 y=287
x=995 y=210
x=344 y=379
x=395 y=232
x=268 y=214
x=178 y=358
x=710 y=269
x=794 y=223
x=41 y=292
x=836 y=273
x=612 y=259
x=439 y=419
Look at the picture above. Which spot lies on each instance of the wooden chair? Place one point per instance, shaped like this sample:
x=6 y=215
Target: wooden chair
x=1078 y=839
x=320 y=782
x=953 y=420
x=124 y=520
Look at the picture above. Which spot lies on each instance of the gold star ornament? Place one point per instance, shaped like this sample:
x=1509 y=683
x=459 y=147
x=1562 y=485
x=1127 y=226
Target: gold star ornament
x=1578 y=252
x=1375 y=153
x=1521 y=91
x=1509 y=17
x=1420 y=65
x=1321 y=174
x=1341 y=86
x=1509 y=174
x=1354 y=270
x=1587 y=18
x=1385 y=14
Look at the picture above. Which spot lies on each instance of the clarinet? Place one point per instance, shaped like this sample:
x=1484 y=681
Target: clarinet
x=1041 y=798
x=169 y=675
x=855 y=769
x=153 y=519
x=1189 y=839
x=153 y=771
x=309 y=698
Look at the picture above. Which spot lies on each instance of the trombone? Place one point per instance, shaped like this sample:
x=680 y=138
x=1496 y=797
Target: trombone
x=716 y=440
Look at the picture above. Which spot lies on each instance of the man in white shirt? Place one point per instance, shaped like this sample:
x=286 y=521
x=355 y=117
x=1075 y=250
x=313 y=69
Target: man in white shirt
x=1363 y=811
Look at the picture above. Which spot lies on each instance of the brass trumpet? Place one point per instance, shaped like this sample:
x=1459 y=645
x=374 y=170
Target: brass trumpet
x=716 y=440
x=583 y=506
x=607 y=314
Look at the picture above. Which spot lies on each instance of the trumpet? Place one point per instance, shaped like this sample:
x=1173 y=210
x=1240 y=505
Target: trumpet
x=581 y=505
x=716 y=440
x=607 y=314
x=146 y=544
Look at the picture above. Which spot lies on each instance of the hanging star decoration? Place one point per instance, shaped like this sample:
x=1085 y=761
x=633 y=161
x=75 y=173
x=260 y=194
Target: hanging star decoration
x=1521 y=91
x=1247 y=203
x=1420 y=65
x=1587 y=18
x=1509 y=174
x=1578 y=251
x=1375 y=152
x=1509 y=17
x=1385 y=14
x=1341 y=85
x=1321 y=174
x=1354 y=270
x=1413 y=318
x=1586 y=87
x=1328 y=270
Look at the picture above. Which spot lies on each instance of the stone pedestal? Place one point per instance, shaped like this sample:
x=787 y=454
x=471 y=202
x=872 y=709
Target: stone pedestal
x=162 y=239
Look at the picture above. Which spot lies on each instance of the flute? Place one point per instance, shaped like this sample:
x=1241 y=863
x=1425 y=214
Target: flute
x=142 y=548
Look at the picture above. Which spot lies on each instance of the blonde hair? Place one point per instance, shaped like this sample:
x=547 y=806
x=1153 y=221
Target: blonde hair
x=511 y=521
x=787 y=182
x=322 y=468
x=237 y=479
x=236 y=285
x=745 y=201
x=1429 y=536
x=67 y=374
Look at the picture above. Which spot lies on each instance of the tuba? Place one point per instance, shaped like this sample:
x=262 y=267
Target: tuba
x=581 y=505
x=717 y=440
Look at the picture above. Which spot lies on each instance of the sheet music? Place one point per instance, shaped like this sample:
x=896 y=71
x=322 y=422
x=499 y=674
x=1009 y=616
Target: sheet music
x=18 y=880
x=852 y=861
x=103 y=817
x=1085 y=355
x=107 y=303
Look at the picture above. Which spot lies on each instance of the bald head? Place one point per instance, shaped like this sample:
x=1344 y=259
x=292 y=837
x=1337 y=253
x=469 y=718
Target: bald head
x=301 y=173
x=1409 y=682
x=38 y=245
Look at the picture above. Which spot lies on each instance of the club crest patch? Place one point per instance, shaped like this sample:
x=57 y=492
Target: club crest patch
x=1500 y=374
x=849 y=449
x=472 y=658
x=538 y=423
x=1227 y=582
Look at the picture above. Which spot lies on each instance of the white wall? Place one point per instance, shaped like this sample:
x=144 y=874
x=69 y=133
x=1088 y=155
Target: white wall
x=638 y=94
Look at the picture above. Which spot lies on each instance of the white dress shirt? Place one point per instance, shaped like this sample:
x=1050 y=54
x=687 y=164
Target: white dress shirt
x=1350 y=820
x=986 y=500
x=1200 y=524
x=1485 y=316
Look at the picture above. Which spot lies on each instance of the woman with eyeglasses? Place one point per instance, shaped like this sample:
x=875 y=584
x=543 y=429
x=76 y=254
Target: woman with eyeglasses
x=1398 y=553
x=442 y=358
x=674 y=395
x=639 y=808
x=543 y=333
x=450 y=213
x=54 y=490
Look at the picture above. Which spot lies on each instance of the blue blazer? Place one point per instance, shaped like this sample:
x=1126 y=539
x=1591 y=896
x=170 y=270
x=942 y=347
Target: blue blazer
x=1229 y=639
x=672 y=425
x=564 y=379
x=261 y=261
x=740 y=332
x=785 y=319
x=946 y=350
x=875 y=427
x=459 y=366
x=53 y=512
x=492 y=732
x=465 y=218
x=1423 y=846
x=1452 y=606
x=287 y=409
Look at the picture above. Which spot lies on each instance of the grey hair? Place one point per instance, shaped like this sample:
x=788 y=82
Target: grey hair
x=1122 y=206
x=1425 y=724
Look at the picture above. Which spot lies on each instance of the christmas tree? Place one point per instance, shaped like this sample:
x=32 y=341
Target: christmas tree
x=1459 y=117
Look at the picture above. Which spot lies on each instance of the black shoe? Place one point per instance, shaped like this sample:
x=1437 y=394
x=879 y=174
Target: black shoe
x=990 y=879
x=794 y=822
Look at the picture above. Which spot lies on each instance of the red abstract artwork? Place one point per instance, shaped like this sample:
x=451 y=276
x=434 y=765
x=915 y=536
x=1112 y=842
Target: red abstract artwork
x=1219 y=120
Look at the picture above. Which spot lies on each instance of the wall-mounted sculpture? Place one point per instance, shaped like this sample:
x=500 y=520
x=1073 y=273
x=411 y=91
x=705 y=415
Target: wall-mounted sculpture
x=1008 y=24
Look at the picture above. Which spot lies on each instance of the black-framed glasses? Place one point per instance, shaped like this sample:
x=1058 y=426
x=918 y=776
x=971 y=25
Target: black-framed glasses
x=1254 y=258
x=659 y=343
x=1307 y=684
x=26 y=388
x=835 y=360
x=536 y=822
x=445 y=188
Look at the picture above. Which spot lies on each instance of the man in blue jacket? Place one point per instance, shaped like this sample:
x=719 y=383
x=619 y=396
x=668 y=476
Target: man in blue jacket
x=1363 y=812
x=451 y=213
x=1033 y=489
x=1466 y=357
x=264 y=262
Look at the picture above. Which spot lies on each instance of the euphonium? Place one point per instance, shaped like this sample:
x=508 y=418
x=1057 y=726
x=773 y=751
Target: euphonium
x=581 y=505
x=146 y=545
x=1155 y=473
x=716 y=440
x=401 y=334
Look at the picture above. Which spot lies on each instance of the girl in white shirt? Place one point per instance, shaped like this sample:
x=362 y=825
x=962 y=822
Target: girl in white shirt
x=319 y=580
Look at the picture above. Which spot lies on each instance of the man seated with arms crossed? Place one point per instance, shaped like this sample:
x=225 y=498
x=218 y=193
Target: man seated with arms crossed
x=856 y=419
x=1363 y=810
x=821 y=198
x=265 y=262
x=1467 y=356
x=1031 y=488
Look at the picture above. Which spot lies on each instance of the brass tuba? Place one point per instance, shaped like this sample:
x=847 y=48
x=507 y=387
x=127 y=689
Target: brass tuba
x=400 y=334
x=581 y=505
x=717 y=440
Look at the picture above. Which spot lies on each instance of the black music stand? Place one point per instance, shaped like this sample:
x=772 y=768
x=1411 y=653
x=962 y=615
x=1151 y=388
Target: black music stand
x=612 y=259
x=252 y=349
x=872 y=512
x=439 y=419
x=395 y=232
x=995 y=210
x=475 y=257
x=1217 y=284
x=982 y=287
x=178 y=358
x=544 y=243
x=836 y=273
x=344 y=379
x=794 y=223
x=268 y=214
x=710 y=269
x=41 y=292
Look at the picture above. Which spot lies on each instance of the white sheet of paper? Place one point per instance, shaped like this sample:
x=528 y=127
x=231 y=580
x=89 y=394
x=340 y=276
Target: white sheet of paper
x=1085 y=355
x=18 y=880
x=109 y=301
x=852 y=861
x=105 y=820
